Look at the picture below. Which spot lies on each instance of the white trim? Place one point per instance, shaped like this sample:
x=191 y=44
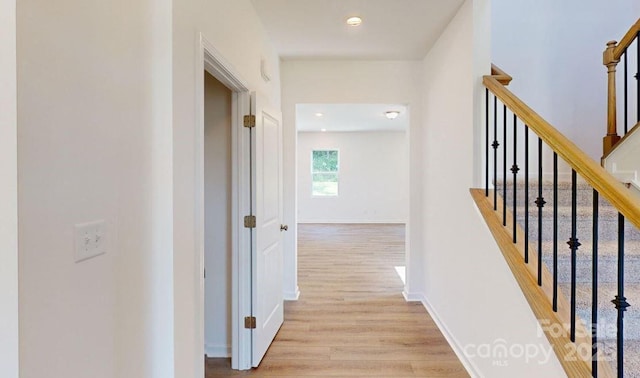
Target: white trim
x=217 y=65
x=468 y=364
x=9 y=272
x=209 y=59
x=626 y=177
x=623 y=176
x=292 y=296
x=217 y=351
x=412 y=297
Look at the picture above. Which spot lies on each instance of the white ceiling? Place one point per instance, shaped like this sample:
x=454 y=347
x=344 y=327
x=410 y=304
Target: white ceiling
x=391 y=29
x=350 y=117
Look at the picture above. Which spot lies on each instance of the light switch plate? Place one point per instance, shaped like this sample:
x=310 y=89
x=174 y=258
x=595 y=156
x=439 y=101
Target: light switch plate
x=90 y=240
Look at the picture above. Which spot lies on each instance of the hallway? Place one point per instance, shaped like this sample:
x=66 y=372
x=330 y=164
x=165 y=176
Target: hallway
x=351 y=319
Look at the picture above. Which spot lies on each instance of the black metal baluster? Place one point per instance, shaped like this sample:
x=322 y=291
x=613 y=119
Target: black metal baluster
x=594 y=289
x=486 y=157
x=555 y=232
x=504 y=167
x=620 y=301
x=526 y=194
x=573 y=245
x=514 y=170
x=495 y=145
x=540 y=203
x=626 y=95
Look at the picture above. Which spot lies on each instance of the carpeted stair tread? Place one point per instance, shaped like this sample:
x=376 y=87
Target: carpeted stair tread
x=584 y=193
x=607 y=259
x=582 y=212
x=607 y=228
x=607 y=269
x=606 y=248
x=533 y=183
x=607 y=313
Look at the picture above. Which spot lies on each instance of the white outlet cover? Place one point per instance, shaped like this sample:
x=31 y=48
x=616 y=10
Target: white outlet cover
x=90 y=240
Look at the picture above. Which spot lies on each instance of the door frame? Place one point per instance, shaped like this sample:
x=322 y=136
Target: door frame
x=9 y=316
x=212 y=61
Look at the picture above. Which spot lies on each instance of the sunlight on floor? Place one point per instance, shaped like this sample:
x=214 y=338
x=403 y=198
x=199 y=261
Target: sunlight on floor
x=400 y=270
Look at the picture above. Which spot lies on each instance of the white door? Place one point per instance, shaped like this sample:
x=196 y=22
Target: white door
x=267 y=261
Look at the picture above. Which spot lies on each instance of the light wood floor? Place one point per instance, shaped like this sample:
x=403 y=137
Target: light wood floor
x=351 y=319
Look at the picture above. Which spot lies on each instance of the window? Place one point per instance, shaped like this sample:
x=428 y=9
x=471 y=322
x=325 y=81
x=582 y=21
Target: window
x=324 y=173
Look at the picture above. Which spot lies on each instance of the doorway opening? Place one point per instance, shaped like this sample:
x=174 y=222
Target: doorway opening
x=232 y=157
x=217 y=217
x=353 y=165
x=252 y=244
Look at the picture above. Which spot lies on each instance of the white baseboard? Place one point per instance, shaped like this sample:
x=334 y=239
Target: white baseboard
x=217 y=351
x=468 y=364
x=412 y=297
x=292 y=296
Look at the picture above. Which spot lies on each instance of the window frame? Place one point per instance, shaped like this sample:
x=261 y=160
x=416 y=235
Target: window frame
x=336 y=173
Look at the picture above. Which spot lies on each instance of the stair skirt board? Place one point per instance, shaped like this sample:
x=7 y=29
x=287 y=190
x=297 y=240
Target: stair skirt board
x=607 y=260
x=539 y=298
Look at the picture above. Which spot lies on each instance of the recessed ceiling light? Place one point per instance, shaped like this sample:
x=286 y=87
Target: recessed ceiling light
x=319 y=115
x=354 y=21
x=323 y=130
x=392 y=114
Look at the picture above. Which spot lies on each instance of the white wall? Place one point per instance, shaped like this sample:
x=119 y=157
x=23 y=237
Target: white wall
x=234 y=29
x=97 y=141
x=217 y=221
x=553 y=50
x=373 y=178
x=94 y=112
x=353 y=82
x=468 y=286
x=9 y=363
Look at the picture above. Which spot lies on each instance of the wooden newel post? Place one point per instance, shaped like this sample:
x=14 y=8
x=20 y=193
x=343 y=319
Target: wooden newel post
x=609 y=60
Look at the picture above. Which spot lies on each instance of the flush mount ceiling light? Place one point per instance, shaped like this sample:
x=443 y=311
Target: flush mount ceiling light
x=354 y=21
x=392 y=114
x=323 y=130
x=319 y=115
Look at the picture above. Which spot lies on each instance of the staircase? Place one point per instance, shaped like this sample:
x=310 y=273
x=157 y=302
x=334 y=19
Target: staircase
x=543 y=267
x=607 y=262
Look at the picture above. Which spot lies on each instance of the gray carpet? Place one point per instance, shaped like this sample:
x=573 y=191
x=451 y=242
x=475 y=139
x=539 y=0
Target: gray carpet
x=607 y=261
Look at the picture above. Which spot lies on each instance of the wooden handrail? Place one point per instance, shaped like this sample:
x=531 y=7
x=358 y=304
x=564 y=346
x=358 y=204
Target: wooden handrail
x=626 y=41
x=601 y=180
x=502 y=77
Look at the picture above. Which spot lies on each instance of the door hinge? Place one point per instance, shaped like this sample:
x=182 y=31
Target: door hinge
x=250 y=121
x=250 y=322
x=250 y=221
